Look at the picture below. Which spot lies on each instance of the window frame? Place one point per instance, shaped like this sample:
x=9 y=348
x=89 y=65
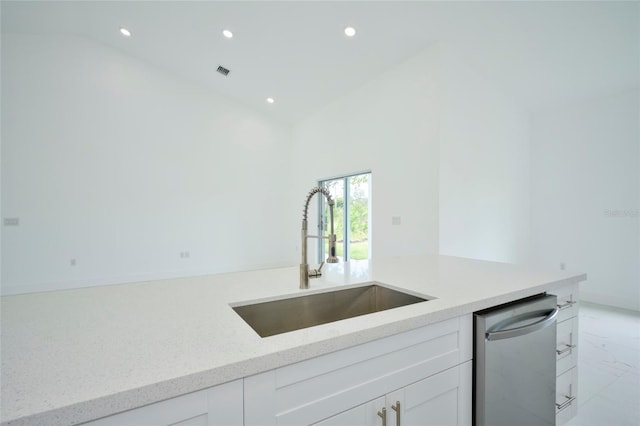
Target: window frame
x=323 y=224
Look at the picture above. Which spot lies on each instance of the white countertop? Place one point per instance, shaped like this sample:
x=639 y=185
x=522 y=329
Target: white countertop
x=72 y=356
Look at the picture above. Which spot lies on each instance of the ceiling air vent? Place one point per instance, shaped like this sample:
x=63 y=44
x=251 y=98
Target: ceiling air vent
x=222 y=70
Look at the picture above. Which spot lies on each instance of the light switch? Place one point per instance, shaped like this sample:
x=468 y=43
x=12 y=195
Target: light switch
x=11 y=221
x=396 y=220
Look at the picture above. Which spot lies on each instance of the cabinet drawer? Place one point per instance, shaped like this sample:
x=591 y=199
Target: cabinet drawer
x=567 y=345
x=566 y=396
x=567 y=301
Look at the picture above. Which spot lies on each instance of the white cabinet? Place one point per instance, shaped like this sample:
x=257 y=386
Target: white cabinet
x=442 y=399
x=217 y=406
x=566 y=353
x=342 y=385
x=367 y=414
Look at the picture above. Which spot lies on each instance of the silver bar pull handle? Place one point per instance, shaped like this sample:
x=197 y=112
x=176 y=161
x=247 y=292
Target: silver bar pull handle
x=548 y=319
x=565 y=404
x=565 y=350
x=566 y=305
x=383 y=414
x=396 y=408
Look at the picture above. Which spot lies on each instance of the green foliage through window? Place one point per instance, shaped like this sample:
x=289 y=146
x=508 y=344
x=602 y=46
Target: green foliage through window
x=355 y=191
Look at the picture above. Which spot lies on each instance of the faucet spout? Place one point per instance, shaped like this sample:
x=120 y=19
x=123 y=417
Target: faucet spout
x=305 y=273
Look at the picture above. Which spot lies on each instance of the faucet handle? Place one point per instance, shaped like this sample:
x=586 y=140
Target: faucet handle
x=315 y=273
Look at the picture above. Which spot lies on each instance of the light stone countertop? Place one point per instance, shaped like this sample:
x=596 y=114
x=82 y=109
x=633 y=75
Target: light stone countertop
x=76 y=355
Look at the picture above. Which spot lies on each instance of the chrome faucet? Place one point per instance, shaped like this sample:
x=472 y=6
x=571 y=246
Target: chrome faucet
x=305 y=272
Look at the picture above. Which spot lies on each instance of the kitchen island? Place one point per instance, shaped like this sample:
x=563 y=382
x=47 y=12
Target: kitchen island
x=69 y=357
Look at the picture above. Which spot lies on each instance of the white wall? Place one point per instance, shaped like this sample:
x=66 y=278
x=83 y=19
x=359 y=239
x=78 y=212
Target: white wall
x=121 y=166
x=484 y=167
x=449 y=155
x=388 y=126
x=586 y=195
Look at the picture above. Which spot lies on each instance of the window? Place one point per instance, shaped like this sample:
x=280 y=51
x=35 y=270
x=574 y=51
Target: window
x=352 y=196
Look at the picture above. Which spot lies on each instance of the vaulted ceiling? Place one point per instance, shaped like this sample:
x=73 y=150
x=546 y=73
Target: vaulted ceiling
x=539 y=52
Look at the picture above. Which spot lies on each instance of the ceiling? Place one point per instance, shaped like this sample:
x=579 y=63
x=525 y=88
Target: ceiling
x=541 y=53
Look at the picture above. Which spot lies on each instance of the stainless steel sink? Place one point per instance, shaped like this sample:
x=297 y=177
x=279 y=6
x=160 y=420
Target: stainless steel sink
x=281 y=316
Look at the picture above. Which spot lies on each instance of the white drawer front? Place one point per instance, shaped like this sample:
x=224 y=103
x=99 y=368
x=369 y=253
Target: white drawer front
x=566 y=396
x=567 y=301
x=567 y=345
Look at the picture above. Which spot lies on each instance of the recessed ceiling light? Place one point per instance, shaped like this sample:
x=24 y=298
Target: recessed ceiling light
x=271 y=100
x=227 y=33
x=350 y=31
x=125 y=32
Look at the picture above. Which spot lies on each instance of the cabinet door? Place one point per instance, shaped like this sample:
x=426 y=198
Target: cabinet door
x=442 y=399
x=367 y=414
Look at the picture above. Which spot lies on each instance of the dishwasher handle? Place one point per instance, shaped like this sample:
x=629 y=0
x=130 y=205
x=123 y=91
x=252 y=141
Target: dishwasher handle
x=499 y=333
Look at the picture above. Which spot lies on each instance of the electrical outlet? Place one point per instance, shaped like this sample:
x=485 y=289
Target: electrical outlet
x=11 y=221
x=73 y=262
x=184 y=255
x=396 y=220
x=563 y=266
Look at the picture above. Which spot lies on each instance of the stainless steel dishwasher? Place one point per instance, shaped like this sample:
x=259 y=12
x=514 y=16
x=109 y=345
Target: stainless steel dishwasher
x=515 y=363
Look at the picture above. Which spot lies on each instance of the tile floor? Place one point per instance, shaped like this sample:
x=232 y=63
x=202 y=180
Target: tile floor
x=608 y=367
